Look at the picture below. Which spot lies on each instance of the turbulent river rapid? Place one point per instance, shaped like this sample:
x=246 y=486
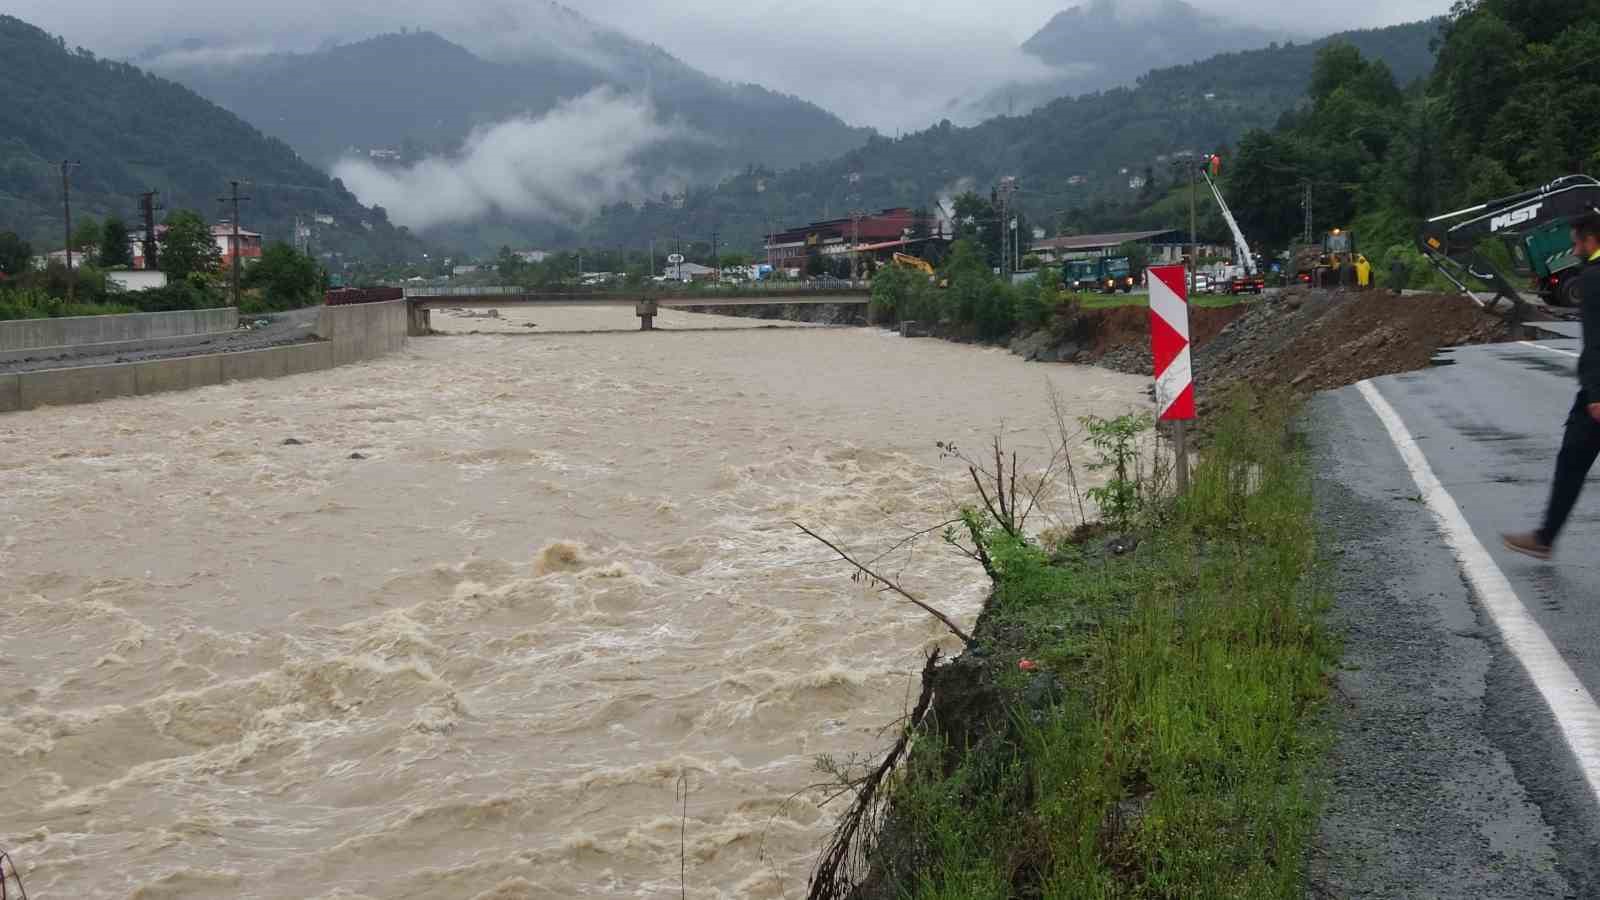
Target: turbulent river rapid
x=455 y=623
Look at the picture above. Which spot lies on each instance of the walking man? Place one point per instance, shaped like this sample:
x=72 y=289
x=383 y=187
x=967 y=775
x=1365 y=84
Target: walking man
x=1581 y=445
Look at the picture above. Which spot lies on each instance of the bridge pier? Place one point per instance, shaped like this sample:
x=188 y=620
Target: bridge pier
x=646 y=311
x=418 y=321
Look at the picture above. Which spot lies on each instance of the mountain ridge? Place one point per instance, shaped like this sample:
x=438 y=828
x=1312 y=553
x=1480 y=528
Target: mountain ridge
x=421 y=88
x=131 y=131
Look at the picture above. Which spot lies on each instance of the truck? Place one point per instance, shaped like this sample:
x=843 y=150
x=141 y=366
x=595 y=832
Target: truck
x=1106 y=274
x=1534 y=227
x=1235 y=280
x=1244 y=276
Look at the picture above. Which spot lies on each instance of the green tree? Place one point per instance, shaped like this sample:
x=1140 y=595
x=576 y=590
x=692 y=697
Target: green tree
x=1138 y=254
x=188 y=248
x=86 y=235
x=114 y=249
x=287 y=278
x=815 y=264
x=16 y=254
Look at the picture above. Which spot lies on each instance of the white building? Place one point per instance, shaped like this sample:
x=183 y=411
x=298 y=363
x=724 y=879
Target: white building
x=137 y=280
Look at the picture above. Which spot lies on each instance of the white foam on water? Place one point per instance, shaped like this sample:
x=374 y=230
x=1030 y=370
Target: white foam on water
x=478 y=662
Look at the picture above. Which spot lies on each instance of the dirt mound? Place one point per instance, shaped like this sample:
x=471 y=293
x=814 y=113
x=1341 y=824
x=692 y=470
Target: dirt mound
x=1122 y=336
x=1304 y=341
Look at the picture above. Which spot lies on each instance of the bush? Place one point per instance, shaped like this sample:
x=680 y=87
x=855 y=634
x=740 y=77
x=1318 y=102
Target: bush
x=35 y=303
x=193 y=293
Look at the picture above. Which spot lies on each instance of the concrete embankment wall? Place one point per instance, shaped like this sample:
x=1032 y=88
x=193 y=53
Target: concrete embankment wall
x=28 y=334
x=347 y=334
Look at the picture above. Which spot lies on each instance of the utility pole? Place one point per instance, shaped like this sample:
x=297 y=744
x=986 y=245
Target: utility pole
x=716 y=260
x=148 y=207
x=1194 y=231
x=1305 y=204
x=1180 y=428
x=235 y=248
x=67 y=166
x=855 y=242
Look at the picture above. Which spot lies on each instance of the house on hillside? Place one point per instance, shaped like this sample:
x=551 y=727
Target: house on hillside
x=249 y=248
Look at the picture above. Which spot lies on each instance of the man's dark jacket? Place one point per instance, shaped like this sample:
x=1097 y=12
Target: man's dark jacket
x=1589 y=363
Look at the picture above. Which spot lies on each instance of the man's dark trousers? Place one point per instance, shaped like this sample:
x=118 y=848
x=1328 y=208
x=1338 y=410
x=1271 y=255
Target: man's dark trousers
x=1579 y=449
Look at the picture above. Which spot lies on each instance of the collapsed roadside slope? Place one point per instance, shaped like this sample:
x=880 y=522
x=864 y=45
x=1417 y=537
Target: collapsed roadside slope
x=1303 y=341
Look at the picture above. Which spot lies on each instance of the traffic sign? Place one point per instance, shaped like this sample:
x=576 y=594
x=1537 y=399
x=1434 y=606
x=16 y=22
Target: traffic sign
x=1169 y=342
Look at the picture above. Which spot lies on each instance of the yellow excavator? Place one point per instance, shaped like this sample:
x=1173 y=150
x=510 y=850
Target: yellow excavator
x=918 y=264
x=914 y=262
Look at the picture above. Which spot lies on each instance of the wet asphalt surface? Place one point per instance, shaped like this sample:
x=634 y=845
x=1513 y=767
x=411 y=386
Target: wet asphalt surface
x=1448 y=778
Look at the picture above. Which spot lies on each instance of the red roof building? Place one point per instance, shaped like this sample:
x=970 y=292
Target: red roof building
x=789 y=249
x=249 y=243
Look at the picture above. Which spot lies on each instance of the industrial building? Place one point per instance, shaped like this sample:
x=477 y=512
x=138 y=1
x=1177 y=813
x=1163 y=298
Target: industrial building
x=879 y=234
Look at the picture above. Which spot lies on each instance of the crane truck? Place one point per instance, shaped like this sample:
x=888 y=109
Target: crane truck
x=1243 y=276
x=1534 y=226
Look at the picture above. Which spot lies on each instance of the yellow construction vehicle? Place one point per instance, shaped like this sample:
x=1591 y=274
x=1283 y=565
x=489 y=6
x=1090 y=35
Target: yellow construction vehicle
x=914 y=262
x=918 y=264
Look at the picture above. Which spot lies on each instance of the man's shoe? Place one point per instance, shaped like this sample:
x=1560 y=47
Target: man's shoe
x=1528 y=544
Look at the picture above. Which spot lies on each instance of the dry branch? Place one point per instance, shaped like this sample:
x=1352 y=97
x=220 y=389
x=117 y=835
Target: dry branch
x=846 y=856
x=890 y=584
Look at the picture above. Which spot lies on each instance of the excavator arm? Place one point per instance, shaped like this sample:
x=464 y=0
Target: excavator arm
x=1450 y=241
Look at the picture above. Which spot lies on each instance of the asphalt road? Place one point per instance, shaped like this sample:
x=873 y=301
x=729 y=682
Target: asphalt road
x=1461 y=766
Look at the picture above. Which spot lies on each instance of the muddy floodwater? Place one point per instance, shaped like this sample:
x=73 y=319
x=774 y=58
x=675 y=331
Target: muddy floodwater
x=456 y=622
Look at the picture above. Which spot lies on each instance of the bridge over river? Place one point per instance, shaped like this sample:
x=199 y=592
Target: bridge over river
x=646 y=303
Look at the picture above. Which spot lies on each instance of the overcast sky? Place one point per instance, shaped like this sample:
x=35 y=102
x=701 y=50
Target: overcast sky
x=888 y=63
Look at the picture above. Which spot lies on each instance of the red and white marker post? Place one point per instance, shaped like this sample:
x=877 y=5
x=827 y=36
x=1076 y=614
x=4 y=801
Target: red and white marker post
x=1169 y=344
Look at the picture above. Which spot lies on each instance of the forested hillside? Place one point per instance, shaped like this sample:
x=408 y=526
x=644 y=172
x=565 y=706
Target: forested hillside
x=1197 y=107
x=130 y=132
x=420 y=93
x=1509 y=106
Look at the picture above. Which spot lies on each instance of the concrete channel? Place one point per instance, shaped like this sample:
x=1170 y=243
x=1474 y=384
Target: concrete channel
x=344 y=334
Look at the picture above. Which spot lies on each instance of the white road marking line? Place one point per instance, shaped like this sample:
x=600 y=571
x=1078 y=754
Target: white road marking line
x=1570 y=702
x=1549 y=348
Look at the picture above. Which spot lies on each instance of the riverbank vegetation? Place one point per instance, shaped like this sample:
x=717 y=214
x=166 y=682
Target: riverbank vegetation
x=969 y=301
x=1136 y=714
x=282 y=279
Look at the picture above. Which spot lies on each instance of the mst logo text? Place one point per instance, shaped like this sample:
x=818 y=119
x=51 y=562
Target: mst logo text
x=1515 y=217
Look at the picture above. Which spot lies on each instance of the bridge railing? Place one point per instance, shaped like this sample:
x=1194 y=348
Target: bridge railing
x=652 y=291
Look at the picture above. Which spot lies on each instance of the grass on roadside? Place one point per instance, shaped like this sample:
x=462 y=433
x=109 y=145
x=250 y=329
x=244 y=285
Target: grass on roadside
x=1163 y=743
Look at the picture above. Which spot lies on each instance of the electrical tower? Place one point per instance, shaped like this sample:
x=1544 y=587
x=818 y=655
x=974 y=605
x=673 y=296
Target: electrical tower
x=856 y=215
x=147 y=211
x=1008 y=187
x=235 y=248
